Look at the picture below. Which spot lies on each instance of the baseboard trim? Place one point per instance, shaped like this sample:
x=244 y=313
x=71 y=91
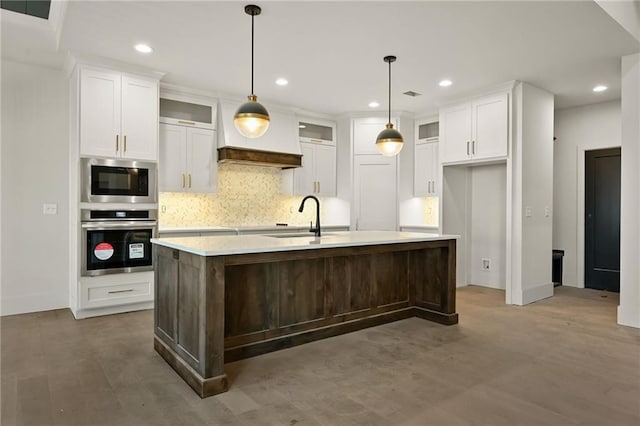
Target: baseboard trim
x=536 y=293
x=110 y=310
x=30 y=303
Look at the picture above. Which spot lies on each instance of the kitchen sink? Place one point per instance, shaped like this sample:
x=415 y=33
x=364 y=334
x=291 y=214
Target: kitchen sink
x=306 y=234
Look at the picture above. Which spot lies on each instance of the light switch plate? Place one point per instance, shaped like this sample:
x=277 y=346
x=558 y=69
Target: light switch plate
x=528 y=211
x=49 y=208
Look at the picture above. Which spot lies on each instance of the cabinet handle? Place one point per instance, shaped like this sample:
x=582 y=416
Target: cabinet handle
x=189 y=180
x=467 y=147
x=183 y=180
x=473 y=147
x=125 y=143
x=429 y=187
x=120 y=291
x=117 y=142
x=318 y=187
x=187 y=122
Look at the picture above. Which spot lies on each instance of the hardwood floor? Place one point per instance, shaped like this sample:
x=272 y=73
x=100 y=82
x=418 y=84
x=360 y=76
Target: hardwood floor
x=561 y=361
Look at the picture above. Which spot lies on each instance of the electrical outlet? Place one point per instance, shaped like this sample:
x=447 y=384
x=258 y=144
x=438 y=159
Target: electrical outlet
x=528 y=211
x=486 y=264
x=163 y=208
x=547 y=211
x=49 y=209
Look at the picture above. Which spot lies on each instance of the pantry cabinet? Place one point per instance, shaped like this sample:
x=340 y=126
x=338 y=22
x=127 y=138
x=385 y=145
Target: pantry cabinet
x=365 y=133
x=476 y=130
x=188 y=159
x=118 y=115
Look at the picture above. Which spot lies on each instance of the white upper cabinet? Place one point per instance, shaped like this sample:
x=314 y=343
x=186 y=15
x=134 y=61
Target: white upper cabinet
x=476 y=130
x=426 y=160
x=118 y=115
x=490 y=127
x=187 y=111
x=365 y=132
x=318 y=146
x=187 y=159
x=425 y=182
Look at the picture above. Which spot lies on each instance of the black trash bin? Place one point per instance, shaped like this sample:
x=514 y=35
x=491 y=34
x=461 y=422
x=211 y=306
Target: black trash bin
x=556 y=267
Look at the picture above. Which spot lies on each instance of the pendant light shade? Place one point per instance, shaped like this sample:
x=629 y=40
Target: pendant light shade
x=252 y=119
x=389 y=141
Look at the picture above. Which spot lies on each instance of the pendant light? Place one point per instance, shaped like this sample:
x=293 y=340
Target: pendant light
x=389 y=141
x=252 y=119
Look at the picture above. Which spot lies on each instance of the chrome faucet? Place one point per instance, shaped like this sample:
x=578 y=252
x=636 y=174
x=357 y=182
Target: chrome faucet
x=315 y=230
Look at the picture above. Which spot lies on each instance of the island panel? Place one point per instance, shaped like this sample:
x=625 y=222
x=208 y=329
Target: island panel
x=235 y=306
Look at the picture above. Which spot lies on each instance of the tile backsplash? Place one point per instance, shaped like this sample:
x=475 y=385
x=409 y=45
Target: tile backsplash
x=252 y=196
x=247 y=196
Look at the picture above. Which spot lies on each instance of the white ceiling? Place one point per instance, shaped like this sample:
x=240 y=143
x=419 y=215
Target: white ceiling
x=331 y=52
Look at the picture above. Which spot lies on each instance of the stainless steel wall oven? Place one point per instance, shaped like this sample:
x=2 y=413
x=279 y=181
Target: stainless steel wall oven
x=117 y=181
x=115 y=241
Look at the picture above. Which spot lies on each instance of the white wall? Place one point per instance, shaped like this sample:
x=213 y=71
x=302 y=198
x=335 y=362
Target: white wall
x=488 y=226
x=577 y=130
x=629 y=309
x=34 y=171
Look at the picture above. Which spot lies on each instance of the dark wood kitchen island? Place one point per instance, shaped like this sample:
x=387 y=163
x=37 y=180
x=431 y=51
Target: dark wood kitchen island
x=224 y=298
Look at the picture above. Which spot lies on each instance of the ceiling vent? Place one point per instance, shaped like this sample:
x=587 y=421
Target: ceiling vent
x=412 y=93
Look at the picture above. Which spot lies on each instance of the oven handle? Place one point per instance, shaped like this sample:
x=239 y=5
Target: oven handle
x=119 y=225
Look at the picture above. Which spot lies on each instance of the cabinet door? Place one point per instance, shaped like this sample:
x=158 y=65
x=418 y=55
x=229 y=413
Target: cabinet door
x=490 y=127
x=434 y=171
x=325 y=169
x=140 y=118
x=173 y=160
x=99 y=113
x=455 y=131
x=375 y=196
x=422 y=170
x=304 y=177
x=202 y=165
x=365 y=132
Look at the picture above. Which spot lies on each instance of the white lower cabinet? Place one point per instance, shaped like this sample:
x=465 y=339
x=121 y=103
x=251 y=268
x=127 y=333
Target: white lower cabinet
x=375 y=195
x=115 y=293
x=187 y=159
x=425 y=176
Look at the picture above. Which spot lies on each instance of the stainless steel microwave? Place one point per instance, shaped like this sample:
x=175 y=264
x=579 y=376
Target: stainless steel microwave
x=117 y=181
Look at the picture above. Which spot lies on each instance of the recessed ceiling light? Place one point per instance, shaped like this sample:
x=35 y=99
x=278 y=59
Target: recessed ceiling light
x=600 y=88
x=143 y=48
x=445 y=83
x=373 y=104
x=282 y=82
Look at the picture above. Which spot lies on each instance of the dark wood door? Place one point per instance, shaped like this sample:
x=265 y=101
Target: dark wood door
x=602 y=219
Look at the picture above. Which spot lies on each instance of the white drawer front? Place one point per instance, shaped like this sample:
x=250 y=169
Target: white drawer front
x=97 y=295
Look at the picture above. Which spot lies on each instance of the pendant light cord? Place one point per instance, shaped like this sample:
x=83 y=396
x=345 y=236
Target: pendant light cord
x=252 y=16
x=389 y=91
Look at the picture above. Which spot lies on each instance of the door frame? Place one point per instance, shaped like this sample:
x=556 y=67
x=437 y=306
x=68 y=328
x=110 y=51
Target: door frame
x=580 y=200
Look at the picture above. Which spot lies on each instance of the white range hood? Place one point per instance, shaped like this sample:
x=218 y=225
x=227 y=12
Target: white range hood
x=278 y=147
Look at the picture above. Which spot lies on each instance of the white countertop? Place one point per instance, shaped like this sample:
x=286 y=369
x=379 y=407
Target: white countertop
x=240 y=229
x=245 y=244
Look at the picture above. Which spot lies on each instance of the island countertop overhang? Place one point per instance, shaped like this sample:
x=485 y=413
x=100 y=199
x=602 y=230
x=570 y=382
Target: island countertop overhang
x=248 y=244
